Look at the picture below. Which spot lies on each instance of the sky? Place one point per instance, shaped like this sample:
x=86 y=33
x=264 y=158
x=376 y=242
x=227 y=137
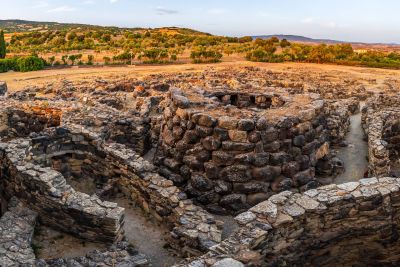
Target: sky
x=346 y=20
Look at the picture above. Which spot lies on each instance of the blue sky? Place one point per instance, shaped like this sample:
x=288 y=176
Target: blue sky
x=349 y=20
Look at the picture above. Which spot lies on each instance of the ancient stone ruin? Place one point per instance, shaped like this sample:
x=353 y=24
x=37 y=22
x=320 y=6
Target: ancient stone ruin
x=219 y=168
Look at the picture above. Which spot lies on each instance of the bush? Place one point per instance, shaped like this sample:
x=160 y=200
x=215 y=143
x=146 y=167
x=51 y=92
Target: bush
x=7 y=64
x=29 y=63
x=203 y=55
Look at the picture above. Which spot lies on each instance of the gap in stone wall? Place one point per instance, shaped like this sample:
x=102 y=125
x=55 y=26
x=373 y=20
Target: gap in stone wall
x=248 y=101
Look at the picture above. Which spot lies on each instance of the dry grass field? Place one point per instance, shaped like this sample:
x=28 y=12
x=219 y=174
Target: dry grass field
x=372 y=79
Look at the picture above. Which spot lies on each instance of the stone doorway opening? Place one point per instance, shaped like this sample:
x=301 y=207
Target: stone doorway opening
x=242 y=100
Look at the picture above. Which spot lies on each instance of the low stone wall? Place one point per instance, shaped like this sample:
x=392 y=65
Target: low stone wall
x=229 y=163
x=335 y=225
x=338 y=117
x=380 y=115
x=119 y=254
x=114 y=126
x=16 y=232
x=20 y=122
x=58 y=205
x=190 y=225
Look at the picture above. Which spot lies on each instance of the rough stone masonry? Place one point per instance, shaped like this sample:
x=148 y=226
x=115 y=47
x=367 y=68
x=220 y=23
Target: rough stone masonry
x=187 y=146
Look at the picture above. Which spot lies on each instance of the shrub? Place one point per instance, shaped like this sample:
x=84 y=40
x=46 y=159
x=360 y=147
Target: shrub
x=7 y=64
x=203 y=55
x=29 y=63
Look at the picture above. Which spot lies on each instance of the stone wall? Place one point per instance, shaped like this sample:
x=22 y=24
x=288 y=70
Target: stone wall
x=114 y=126
x=16 y=232
x=335 y=225
x=338 y=117
x=58 y=205
x=379 y=119
x=230 y=163
x=20 y=122
x=116 y=166
x=119 y=254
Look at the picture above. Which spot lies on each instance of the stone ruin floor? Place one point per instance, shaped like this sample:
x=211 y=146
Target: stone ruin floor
x=226 y=168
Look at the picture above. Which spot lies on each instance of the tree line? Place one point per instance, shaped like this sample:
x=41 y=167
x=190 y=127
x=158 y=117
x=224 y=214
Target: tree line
x=118 y=46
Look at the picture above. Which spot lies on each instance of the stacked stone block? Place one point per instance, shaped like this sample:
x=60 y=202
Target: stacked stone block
x=234 y=163
x=58 y=205
x=380 y=119
x=329 y=226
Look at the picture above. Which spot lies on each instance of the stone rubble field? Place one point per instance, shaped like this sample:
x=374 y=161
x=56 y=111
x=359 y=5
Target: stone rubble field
x=237 y=163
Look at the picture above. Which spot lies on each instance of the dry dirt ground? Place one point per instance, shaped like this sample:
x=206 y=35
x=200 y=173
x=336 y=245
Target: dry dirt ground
x=373 y=79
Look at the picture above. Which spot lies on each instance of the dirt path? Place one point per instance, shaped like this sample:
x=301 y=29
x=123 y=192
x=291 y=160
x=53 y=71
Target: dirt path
x=354 y=156
x=146 y=235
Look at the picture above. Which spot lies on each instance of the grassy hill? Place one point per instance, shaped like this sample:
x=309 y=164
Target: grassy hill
x=17 y=26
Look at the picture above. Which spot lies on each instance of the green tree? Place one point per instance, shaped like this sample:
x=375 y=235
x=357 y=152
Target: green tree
x=3 y=50
x=90 y=59
x=284 y=43
x=52 y=60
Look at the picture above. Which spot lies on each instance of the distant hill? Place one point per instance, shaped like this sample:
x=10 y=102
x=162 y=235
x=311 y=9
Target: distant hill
x=16 y=25
x=303 y=39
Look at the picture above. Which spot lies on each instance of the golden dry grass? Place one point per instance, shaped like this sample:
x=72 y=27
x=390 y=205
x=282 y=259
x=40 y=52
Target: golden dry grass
x=17 y=80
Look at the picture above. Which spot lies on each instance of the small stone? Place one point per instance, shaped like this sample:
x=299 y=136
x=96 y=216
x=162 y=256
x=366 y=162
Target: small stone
x=266 y=208
x=228 y=262
x=294 y=210
x=245 y=217
x=349 y=187
x=246 y=125
x=227 y=123
x=307 y=203
x=238 y=136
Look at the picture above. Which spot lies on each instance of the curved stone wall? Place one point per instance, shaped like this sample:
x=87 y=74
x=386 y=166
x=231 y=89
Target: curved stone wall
x=58 y=205
x=335 y=225
x=227 y=161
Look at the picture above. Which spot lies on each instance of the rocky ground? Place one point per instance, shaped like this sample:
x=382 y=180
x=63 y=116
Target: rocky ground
x=191 y=147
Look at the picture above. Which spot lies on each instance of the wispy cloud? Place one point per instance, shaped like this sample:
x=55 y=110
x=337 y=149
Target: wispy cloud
x=164 y=11
x=331 y=24
x=308 y=20
x=113 y=1
x=216 y=11
x=41 y=4
x=88 y=2
x=64 y=8
x=319 y=22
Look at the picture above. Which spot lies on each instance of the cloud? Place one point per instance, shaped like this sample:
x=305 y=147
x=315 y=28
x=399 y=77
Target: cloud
x=319 y=22
x=308 y=20
x=41 y=4
x=331 y=25
x=216 y=11
x=164 y=11
x=64 y=8
x=88 y=2
x=113 y=1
